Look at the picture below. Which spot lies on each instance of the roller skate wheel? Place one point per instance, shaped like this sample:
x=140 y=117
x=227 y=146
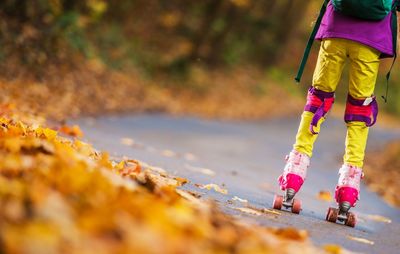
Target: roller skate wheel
x=351 y=220
x=296 y=206
x=278 y=201
x=332 y=215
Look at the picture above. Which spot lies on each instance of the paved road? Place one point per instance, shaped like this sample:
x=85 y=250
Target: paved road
x=247 y=158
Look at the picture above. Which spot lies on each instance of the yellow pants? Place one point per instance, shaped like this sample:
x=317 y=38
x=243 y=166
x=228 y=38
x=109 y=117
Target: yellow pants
x=364 y=65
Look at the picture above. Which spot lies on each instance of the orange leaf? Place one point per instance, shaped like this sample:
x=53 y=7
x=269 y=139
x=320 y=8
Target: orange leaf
x=73 y=131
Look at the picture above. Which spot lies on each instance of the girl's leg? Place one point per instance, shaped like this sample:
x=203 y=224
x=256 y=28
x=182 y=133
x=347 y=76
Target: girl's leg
x=330 y=63
x=364 y=66
x=320 y=97
x=331 y=58
x=361 y=111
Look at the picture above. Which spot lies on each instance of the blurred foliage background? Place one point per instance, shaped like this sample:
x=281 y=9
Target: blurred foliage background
x=174 y=43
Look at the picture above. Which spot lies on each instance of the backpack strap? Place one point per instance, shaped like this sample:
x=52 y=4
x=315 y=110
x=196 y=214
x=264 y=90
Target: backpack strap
x=311 y=41
x=395 y=8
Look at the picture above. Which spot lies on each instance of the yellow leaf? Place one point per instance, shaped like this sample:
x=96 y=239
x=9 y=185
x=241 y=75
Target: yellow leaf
x=83 y=148
x=215 y=187
x=333 y=249
x=74 y=131
x=204 y=171
x=120 y=165
x=168 y=153
x=181 y=181
x=248 y=211
x=236 y=198
x=127 y=141
x=325 y=196
x=361 y=240
x=292 y=233
x=378 y=218
x=46 y=133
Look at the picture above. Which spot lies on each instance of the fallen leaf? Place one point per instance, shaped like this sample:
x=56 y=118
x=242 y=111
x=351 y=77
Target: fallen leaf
x=271 y=211
x=131 y=167
x=361 y=240
x=46 y=133
x=248 y=211
x=74 y=131
x=378 y=218
x=204 y=171
x=236 y=198
x=181 y=180
x=325 y=196
x=265 y=210
x=292 y=233
x=158 y=170
x=214 y=187
x=190 y=197
x=127 y=141
x=85 y=148
x=333 y=249
x=168 y=153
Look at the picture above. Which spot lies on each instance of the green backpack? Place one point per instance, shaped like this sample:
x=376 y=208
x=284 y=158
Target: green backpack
x=364 y=9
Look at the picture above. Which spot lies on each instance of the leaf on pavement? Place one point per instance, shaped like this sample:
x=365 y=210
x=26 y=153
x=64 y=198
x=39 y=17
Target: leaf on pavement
x=333 y=249
x=204 y=171
x=378 y=218
x=127 y=141
x=181 y=180
x=361 y=240
x=168 y=153
x=292 y=233
x=128 y=167
x=271 y=211
x=325 y=196
x=248 y=211
x=159 y=170
x=236 y=198
x=214 y=187
x=46 y=133
x=192 y=198
x=73 y=131
x=84 y=148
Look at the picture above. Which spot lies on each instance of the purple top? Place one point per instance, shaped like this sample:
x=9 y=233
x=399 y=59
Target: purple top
x=376 y=34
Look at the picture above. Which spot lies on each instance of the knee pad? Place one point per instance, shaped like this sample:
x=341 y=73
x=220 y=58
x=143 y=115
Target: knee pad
x=319 y=103
x=361 y=110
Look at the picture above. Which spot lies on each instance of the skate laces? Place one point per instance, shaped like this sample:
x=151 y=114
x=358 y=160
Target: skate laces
x=350 y=176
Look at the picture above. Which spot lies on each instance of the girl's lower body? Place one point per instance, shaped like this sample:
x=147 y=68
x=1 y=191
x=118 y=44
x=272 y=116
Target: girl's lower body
x=361 y=112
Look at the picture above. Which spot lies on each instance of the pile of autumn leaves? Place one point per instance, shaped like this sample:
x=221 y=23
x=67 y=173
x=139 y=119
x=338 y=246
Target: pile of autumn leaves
x=59 y=195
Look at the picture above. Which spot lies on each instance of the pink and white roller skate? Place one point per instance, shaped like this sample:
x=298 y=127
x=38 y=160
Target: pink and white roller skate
x=291 y=181
x=346 y=194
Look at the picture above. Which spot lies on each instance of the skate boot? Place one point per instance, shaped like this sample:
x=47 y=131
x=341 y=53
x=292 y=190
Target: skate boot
x=291 y=181
x=346 y=194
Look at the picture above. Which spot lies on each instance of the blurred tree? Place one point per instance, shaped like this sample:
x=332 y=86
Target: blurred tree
x=164 y=34
x=39 y=31
x=210 y=31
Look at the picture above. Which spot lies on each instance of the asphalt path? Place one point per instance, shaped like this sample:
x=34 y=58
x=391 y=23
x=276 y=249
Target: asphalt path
x=246 y=158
